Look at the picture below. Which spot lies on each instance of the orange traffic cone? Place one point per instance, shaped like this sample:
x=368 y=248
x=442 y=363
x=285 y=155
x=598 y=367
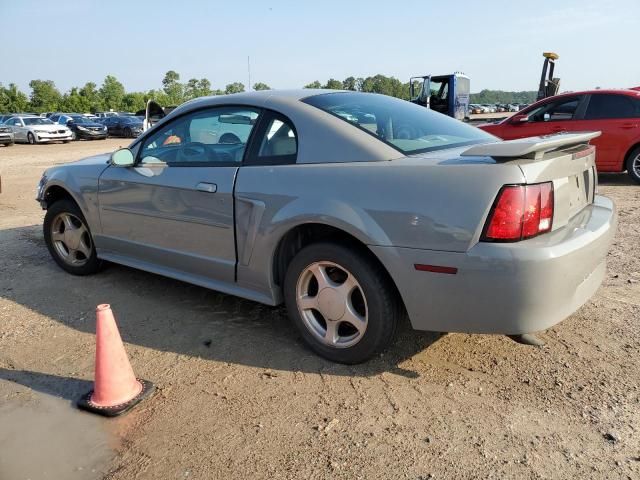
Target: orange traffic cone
x=116 y=389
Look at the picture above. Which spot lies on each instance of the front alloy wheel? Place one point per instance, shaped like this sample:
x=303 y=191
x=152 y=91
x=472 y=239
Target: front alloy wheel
x=69 y=240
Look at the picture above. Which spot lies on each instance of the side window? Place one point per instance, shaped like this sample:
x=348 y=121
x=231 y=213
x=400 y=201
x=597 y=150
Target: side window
x=277 y=142
x=563 y=109
x=603 y=106
x=215 y=136
x=11 y=121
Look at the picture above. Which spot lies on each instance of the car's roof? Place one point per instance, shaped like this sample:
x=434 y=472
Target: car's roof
x=327 y=139
x=614 y=91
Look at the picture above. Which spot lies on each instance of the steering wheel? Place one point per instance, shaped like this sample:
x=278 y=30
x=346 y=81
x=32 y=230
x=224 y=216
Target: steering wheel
x=192 y=152
x=406 y=132
x=229 y=138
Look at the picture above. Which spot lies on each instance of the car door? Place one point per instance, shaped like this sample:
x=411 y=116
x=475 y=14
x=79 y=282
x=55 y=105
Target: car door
x=554 y=116
x=617 y=116
x=19 y=130
x=173 y=212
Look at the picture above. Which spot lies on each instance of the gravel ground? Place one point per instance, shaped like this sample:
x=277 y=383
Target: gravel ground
x=240 y=397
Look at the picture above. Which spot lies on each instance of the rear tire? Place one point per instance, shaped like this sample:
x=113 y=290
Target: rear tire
x=69 y=239
x=351 y=313
x=633 y=165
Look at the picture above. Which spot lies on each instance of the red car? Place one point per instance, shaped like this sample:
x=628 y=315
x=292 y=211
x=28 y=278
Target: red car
x=616 y=113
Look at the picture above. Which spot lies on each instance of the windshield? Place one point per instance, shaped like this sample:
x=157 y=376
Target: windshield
x=405 y=126
x=37 y=121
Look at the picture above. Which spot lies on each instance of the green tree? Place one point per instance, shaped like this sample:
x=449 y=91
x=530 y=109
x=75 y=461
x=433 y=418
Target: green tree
x=195 y=88
x=333 y=84
x=74 y=102
x=12 y=100
x=134 y=101
x=235 y=87
x=314 y=84
x=45 y=97
x=111 y=93
x=386 y=85
x=92 y=96
x=261 y=86
x=351 y=83
x=173 y=88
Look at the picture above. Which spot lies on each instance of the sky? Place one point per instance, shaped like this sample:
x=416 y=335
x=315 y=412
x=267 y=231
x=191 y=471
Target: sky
x=499 y=44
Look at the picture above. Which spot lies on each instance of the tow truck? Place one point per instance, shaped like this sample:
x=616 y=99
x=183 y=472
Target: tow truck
x=448 y=94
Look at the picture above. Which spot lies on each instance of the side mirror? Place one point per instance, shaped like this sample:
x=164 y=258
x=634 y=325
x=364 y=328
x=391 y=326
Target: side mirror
x=122 y=158
x=520 y=118
x=546 y=117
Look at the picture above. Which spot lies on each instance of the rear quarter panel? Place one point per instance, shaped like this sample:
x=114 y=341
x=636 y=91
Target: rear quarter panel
x=422 y=203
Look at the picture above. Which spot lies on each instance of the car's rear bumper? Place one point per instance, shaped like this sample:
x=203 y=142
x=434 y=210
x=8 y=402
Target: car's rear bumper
x=509 y=288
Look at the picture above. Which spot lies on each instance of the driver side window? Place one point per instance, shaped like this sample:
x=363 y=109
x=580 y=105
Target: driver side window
x=215 y=136
x=555 y=111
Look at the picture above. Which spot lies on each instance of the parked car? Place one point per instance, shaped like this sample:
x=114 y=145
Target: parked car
x=106 y=114
x=513 y=107
x=5 y=117
x=81 y=127
x=128 y=127
x=350 y=224
x=475 y=109
x=35 y=129
x=6 y=135
x=615 y=113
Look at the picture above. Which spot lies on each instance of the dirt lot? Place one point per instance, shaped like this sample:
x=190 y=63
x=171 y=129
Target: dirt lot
x=240 y=397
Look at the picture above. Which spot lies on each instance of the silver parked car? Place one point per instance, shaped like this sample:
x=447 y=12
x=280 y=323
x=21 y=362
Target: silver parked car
x=6 y=135
x=33 y=129
x=350 y=208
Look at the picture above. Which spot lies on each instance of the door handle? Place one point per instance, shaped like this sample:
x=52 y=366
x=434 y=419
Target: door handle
x=629 y=125
x=207 y=187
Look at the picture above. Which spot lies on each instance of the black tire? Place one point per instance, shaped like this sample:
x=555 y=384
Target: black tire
x=93 y=263
x=31 y=139
x=128 y=133
x=10 y=144
x=382 y=304
x=634 y=157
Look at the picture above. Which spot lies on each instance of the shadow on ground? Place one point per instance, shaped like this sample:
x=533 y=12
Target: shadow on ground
x=168 y=315
x=614 y=179
x=63 y=387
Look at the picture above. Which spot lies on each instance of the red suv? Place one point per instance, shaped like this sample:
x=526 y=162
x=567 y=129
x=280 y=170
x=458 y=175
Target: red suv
x=616 y=113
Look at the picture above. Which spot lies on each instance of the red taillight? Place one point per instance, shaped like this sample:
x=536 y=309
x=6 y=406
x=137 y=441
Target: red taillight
x=520 y=211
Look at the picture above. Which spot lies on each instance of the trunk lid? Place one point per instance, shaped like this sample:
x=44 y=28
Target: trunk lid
x=565 y=159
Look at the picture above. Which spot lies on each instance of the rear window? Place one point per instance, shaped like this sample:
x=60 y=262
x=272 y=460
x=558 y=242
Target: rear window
x=405 y=126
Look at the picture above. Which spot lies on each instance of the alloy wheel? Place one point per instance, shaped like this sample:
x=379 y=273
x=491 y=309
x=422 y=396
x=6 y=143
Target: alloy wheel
x=71 y=239
x=332 y=304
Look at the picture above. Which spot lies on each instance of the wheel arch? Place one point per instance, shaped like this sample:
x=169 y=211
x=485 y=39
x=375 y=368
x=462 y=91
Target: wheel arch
x=302 y=235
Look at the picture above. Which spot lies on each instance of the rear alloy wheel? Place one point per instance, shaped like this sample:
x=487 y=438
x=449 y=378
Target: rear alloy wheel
x=341 y=302
x=633 y=165
x=31 y=139
x=69 y=240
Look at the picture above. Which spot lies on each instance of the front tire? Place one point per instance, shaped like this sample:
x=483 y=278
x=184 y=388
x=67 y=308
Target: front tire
x=31 y=139
x=633 y=165
x=69 y=239
x=128 y=133
x=341 y=301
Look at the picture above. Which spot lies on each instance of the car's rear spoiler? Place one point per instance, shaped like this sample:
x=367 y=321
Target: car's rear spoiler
x=532 y=147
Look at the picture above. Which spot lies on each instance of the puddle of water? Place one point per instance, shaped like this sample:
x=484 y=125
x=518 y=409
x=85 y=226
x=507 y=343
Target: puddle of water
x=43 y=437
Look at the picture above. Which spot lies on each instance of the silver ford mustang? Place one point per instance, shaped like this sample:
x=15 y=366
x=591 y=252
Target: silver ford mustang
x=352 y=209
